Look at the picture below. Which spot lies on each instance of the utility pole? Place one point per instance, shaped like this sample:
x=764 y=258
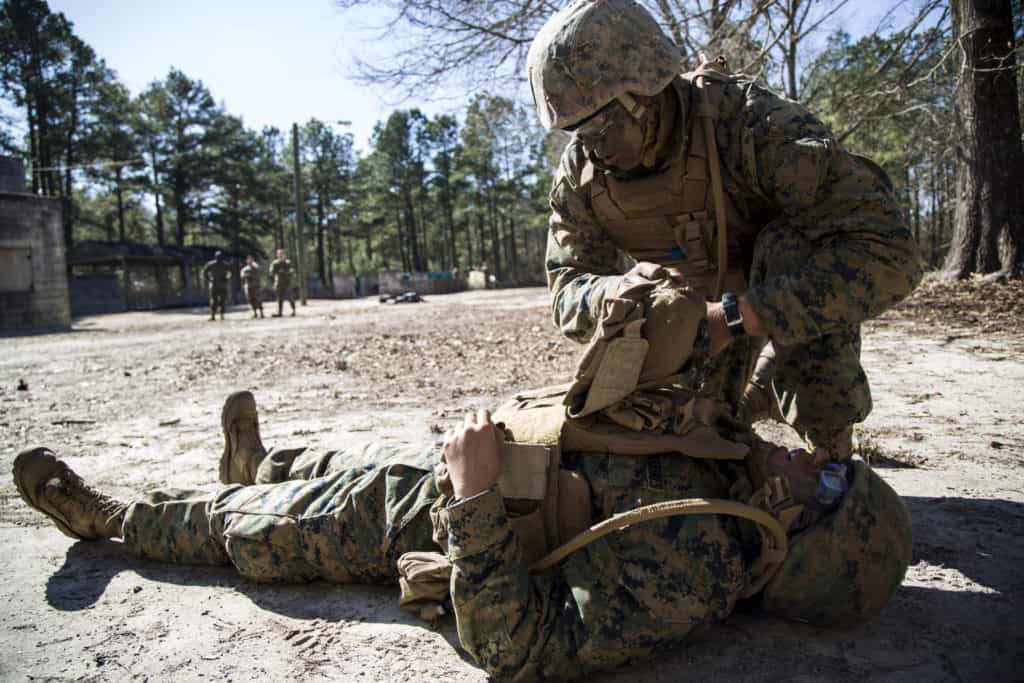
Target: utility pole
x=300 y=243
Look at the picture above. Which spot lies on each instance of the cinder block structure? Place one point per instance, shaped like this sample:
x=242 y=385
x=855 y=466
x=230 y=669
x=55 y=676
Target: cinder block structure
x=33 y=266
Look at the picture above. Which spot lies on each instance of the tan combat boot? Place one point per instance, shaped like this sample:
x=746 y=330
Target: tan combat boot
x=243 y=450
x=78 y=510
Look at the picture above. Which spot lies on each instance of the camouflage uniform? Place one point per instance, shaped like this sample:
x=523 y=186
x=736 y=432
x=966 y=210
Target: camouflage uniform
x=217 y=273
x=281 y=271
x=604 y=605
x=251 y=283
x=816 y=230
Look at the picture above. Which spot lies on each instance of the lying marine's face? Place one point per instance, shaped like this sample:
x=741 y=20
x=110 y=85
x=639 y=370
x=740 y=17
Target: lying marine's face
x=614 y=136
x=800 y=468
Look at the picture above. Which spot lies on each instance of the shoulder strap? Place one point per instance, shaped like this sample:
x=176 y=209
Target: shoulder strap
x=707 y=112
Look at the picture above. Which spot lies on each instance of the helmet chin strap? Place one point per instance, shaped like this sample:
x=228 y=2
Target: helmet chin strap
x=649 y=124
x=635 y=109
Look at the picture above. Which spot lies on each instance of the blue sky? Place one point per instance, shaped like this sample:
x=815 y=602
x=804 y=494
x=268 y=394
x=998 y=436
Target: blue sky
x=268 y=61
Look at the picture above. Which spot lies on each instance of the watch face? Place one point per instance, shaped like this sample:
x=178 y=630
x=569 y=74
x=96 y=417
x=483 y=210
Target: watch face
x=732 y=313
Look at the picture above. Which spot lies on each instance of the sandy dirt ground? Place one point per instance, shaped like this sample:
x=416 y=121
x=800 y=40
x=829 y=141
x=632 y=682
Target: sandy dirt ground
x=132 y=402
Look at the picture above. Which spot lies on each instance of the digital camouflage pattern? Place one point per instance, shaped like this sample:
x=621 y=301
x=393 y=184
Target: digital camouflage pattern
x=829 y=249
x=603 y=606
x=250 y=277
x=617 y=599
x=281 y=272
x=845 y=568
x=320 y=520
x=217 y=273
x=311 y=515
x=572 y=78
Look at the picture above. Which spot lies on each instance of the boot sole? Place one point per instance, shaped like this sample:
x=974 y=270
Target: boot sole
x=230 y=409
x=28 y=460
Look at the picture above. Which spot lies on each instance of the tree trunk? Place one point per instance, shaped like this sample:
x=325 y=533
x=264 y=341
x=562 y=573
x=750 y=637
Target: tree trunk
x=936 y=215
x=402 y=250
x=492 y=219
x=279 y=228
x=321 y=253
x=914 y=186
x=180 y=210
x=989 y=225
x=161 y=237
x=481 y=238
x=513 y=247
x=119 y=192
x=467 y=229
x=33 y=146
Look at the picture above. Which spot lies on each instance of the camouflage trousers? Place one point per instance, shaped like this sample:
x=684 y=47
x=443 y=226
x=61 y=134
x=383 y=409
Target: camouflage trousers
x=255 y=298
x=311 y=517
x=819 y=386
x=218 y=297
x=284 y=292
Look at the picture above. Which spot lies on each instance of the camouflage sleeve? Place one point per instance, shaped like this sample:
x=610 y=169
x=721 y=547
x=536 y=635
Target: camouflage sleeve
x=581 y=260
x=866 y=258
x=606 y=604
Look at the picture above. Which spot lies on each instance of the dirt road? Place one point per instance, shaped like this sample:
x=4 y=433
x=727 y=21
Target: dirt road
x=133 y=402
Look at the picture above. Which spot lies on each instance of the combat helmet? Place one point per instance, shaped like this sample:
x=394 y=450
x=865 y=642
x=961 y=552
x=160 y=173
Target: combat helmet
x=845 y=567
x=595 y=51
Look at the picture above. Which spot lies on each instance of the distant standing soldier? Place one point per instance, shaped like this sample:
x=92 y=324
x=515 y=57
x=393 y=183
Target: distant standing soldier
x=217 y=273
x=281 y=271
x=251 y=283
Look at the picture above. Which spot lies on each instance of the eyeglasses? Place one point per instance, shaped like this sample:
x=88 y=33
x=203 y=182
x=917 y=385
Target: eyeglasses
x=592 y=129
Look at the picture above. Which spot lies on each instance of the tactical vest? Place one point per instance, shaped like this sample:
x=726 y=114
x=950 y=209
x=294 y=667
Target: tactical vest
x=676 y=217
x=549 y=506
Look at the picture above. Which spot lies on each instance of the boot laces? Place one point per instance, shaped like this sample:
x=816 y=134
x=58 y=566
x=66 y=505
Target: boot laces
x=75 y=488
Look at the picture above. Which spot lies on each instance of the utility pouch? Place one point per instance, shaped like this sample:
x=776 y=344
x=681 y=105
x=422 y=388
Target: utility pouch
x=695 y=236
x=423 y=579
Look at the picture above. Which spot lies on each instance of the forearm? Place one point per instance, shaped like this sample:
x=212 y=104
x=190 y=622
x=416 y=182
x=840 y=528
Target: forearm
x=852 y=279
x=506 y=619
x=577 y=298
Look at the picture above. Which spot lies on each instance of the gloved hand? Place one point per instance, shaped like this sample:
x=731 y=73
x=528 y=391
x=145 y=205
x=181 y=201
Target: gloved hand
x=645 y=272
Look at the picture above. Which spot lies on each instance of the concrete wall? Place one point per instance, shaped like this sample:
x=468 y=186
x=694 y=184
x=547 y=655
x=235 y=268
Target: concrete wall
x=344 y=286
x=97 y=293
x=33 y=266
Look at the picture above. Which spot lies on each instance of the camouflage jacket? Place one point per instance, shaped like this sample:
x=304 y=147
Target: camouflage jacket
x=250 y=276
x=779 y=163
x=615 y=600
x=217 y=273
x=281 y=272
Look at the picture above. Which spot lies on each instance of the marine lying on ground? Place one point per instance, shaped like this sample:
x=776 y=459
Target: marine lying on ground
x=404 y=298
x=633 y=429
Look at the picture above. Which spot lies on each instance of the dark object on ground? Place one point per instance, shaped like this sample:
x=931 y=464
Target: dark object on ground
x=407 y=298
x=22 y=385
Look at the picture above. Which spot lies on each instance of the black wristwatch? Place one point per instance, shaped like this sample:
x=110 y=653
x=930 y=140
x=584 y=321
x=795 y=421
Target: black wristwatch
x=733 y=317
